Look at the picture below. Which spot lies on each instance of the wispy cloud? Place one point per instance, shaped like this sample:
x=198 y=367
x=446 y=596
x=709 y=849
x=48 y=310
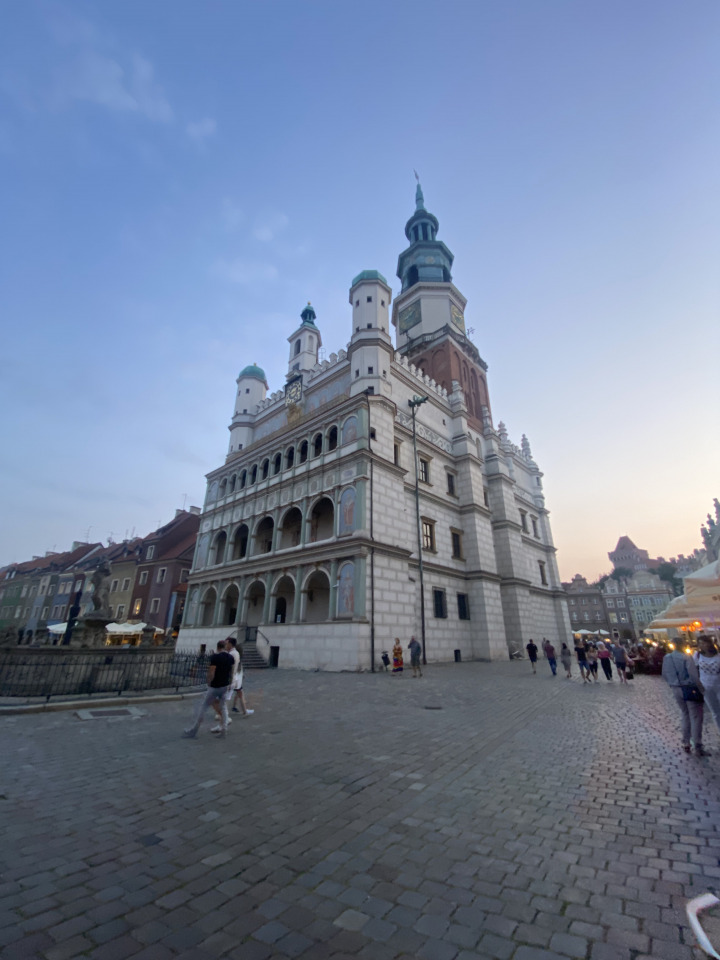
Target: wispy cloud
x=242 y=270
x=267 y=228
x=96 y=78
x=200 y=130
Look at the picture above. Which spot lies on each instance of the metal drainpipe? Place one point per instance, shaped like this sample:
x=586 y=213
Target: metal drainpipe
x=372 y=551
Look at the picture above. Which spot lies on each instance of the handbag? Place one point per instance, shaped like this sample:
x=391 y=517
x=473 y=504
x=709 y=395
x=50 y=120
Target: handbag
x=690 y=691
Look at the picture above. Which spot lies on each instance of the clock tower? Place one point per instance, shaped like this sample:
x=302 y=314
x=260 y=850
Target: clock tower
x=429 y=314
x=305 y=343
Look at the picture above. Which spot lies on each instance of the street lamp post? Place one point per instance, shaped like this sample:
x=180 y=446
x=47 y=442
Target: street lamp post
x=414 y=404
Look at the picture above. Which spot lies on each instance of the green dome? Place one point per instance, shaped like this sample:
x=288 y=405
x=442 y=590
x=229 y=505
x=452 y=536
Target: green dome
x=369 y=275
x=253 y=371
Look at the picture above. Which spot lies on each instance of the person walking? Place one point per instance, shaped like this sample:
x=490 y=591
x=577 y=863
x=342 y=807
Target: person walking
x=681 y=674
x=566 y=658
x=532 y=652
x=592 y=661
x=235 y=689
x=581 y=654
x=415 y=651
x=622 y=661
x=550 y=654
x=707 y=661
x=604 y=658
x=219 y=676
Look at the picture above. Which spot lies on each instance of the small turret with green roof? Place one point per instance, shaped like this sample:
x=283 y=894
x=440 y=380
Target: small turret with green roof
x=253 y=370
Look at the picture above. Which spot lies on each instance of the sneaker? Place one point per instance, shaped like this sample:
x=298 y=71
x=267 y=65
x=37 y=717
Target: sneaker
x=248 y=712
x=216 y=729
x=686 y=747
x=235 y=710
x=229 y=720
x=701 y=752
x=189 y=734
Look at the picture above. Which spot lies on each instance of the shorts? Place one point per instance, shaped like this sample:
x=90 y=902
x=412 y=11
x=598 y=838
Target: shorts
x=415 y=660
x=583 y=664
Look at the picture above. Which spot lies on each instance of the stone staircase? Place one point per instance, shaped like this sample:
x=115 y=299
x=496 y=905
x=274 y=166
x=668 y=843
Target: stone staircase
x=252 y=659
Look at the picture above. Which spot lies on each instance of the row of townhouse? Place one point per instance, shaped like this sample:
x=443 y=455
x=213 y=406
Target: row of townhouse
x=148 y=582
x=623 y=608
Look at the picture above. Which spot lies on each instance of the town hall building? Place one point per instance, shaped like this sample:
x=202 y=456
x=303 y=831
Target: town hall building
x=311 y=526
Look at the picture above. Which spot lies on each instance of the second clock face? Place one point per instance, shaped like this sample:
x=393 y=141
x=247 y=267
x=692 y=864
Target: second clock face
x=293 y=391
x=457 y=318
x=409 y=317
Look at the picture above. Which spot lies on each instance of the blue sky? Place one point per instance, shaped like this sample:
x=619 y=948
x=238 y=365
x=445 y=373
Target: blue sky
x=179 y=179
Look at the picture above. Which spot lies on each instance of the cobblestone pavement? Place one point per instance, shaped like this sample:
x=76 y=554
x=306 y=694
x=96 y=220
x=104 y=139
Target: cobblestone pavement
x=477 y=812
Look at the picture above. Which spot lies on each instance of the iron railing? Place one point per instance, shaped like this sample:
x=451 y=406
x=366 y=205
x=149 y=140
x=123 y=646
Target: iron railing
x=43 y=675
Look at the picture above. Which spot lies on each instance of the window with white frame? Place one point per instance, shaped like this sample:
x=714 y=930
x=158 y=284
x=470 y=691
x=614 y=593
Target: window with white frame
x=126 y=584
x=114 y=586
x=424 y=470
x=161 y=574
x=137 y=607
x=142 y=580
x=150 y=552
x=154 y=604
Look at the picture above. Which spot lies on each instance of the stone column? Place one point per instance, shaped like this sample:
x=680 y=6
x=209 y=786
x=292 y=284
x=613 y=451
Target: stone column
x=299 y=572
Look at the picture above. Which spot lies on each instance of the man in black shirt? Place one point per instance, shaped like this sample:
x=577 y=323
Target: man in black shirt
x=532 y=652
x=219 y=676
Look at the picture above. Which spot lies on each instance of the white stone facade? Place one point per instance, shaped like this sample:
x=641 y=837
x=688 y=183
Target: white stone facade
x=309 y=531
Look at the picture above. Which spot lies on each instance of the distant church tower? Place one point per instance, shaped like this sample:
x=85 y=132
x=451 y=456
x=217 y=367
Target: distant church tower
x=305 y=343
x=429 y=315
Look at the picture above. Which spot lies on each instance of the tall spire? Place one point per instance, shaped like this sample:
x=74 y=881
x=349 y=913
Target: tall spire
x=419 y=198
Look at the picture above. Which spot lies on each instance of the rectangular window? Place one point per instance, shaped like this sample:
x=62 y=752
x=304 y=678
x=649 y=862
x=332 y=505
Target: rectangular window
x=439 y=604
x=150 y=553
x=154 y=604
x=584 y=601
x=428 y=534
x=623 y=618
x=371 y=370
x=543 y=576
x=456 y=538
x=184 y=576
x=463 y=606
x=113 y=586
x=575 y=615
x=486 y=497
x=586 y=616
x=620 y=603
x=571 y=602
x=161 y=574
x=78 y=585
x=137 y=607
x=120 y=611
x=143 y=578
x=396 y=455
x=613 y=618
x=609 y=604
x=451 y=484
x=598 y=615
x=523 y=521
x=424 y=473
x=126 y=584
x=536 y=531
x=110 y=610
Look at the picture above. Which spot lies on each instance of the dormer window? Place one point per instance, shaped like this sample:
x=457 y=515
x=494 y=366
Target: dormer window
x=297 y=347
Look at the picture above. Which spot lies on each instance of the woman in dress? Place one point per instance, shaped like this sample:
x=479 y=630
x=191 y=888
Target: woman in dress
x=604 y=659
x=708 y=664
x=566 y=658
x=397 y=657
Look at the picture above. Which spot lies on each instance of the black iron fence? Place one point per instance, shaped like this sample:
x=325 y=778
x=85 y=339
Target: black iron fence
x=66 y=673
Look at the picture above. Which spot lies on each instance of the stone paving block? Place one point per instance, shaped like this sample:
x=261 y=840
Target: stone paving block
x=437 y=950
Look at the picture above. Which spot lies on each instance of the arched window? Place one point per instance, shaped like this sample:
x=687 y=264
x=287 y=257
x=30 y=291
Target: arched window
x=207 y=608
x=253 y=474
x=231 y=485
x=322 y=520
x=265 y=468
x=297 y=347
x=219 y=547
x=284 y=594
x=332 y=438
x=317 y=590
x=264 y=536
x=240 y=542
x=277 y=464
x=255 y=602
x=243 y=479
x=303 y=451
x=223 y=488
x=230 y=605
x=290 y=529
x=290 y=458
x=317 y=445
x=412 y=275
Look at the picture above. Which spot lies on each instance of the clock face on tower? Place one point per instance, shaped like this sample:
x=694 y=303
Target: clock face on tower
x=293 y=390
x=409 y=317
x=457 y=318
